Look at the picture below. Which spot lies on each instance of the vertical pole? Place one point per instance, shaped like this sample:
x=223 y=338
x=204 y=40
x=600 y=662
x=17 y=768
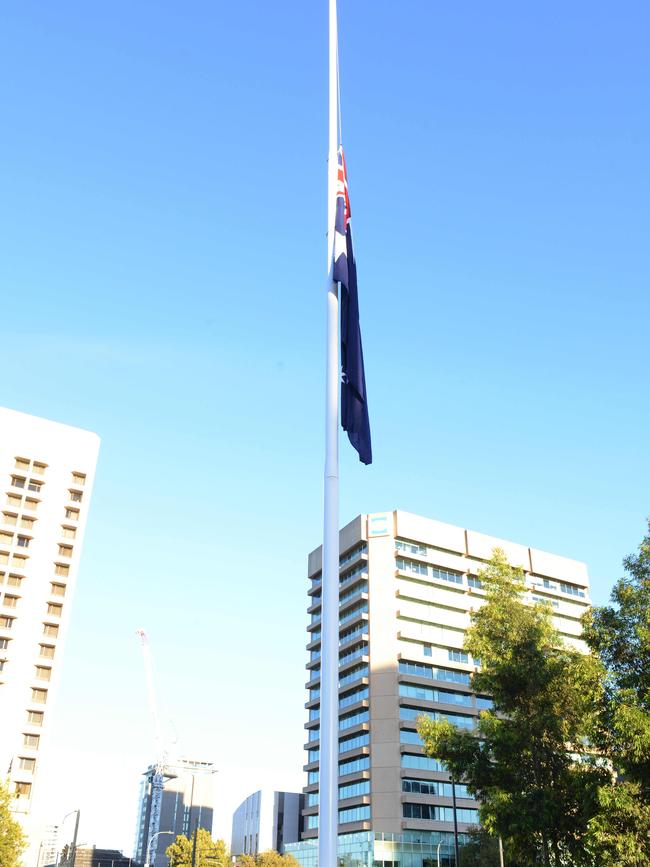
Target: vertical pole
x=501 y=851
x=453 y=800
x=74 y=839
x=328 y=767
x=196 y=833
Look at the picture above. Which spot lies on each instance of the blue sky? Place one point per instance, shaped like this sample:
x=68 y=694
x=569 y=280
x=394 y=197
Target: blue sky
x=162 y=235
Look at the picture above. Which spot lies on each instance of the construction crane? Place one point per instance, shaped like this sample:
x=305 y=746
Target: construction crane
x=160 y=764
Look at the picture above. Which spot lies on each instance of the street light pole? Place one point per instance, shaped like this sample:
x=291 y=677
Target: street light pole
x=151 y=847
x=438 y=853
x=196 y=834
x=73 y=847
x=74 y=839
x=453 y=798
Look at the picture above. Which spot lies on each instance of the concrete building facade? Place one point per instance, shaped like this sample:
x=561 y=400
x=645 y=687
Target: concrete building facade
x=266 y=820
x=408 y=585
x=47 y=471
x=187 y=802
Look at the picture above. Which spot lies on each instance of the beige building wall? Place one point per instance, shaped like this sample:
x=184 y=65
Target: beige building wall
x=408 y=586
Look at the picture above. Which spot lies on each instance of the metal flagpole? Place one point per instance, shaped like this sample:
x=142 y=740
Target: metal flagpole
x=328 y=766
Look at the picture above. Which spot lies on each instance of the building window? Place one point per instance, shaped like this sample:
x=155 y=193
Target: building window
x=47 y=651
x=18 y=481
x=354 y=790
x=356 y=814
x=9 y=518
x=25 y=764
x=39 y=695
x=34 y=486
x=72 y=514
x=65 y=550
x=13 y=500
x=15 y=580
x=38 y=467
x=10 y=601
x=6 y=622
x=4 y=556
x=4 y=643
x=54 y=608
x=31 y=741
x=35 y=717
x=22 y=790
x=50 y=629
x=61 y=569
x=31 y=504
x=458 y=656
x=426 y=649
x=21 y=464
x=19 y=561
x=412 y=566
x=76 y=496
x=43 y=672
x=79 y=479
x=352 y=766
x=27 y=523
x=354 y=742
x=23 y=541
x=68 y=532
x=57 y=589
x=7 y=538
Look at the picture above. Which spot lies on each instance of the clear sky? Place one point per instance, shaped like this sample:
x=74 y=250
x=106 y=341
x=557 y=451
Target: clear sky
x=162 y=262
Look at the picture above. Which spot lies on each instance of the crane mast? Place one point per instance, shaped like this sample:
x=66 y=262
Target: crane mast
x=159 y=768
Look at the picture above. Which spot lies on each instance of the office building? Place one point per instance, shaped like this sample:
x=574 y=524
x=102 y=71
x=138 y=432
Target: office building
x=46 y=476
x=407 y=588
x=266 y=820
x=187 y=803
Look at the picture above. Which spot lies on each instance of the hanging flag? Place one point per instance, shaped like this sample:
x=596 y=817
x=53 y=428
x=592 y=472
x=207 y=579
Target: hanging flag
x=354 y=402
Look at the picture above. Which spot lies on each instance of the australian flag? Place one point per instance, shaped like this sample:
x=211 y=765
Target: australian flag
x=354 y=402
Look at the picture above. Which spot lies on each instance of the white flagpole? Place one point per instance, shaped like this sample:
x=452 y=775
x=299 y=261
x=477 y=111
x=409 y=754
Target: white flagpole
x=329 y=676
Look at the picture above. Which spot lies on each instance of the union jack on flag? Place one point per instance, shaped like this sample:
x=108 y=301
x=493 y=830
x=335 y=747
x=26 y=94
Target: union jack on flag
x=354 y=402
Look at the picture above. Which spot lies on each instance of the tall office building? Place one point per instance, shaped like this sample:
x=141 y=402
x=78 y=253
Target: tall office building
x=46 y=477
x=266 y=820
x=187 y=802
x=407 y=588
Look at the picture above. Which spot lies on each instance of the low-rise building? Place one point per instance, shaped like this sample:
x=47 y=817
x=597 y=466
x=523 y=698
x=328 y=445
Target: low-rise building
x=266 y=820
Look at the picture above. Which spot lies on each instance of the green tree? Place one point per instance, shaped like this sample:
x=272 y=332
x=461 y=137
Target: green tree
x=482 y=850
x=620 y=634
x=12 y=840
x=534 y=791
x=271 y=858
x=209 y=852
x=268 y=858
x=619 y=836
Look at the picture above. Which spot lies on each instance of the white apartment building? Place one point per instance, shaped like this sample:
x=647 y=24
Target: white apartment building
x=408 y=585
x=46 y=478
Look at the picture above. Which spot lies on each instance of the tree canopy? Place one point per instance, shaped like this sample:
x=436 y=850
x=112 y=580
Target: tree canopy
x=12 y=839
x=268 y=858
x=526 y=762
x=620 y=634
x=209 y=852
